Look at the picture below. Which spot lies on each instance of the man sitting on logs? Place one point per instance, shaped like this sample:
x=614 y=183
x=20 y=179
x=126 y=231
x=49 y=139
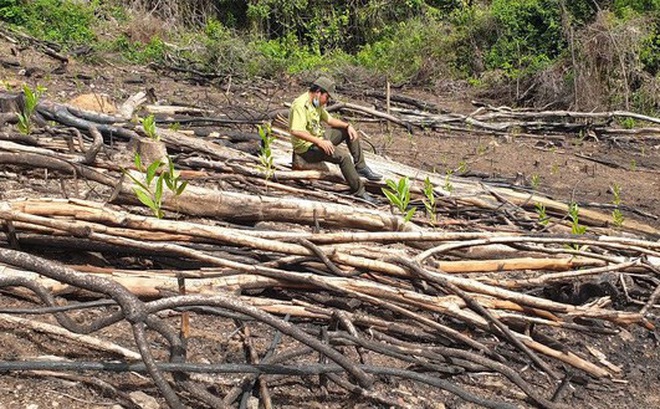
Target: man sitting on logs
x=315 y=144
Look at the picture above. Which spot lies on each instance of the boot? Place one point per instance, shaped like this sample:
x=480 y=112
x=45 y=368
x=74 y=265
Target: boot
x=369 y=174
x=368 y=198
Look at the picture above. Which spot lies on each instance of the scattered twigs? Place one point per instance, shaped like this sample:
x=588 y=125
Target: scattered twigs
x=92 y=342
x=656 y=293
x=99 y=384
x=478 y=308
x=564 y=275
x=454 y=356
x=286 y=328
x=131 y=307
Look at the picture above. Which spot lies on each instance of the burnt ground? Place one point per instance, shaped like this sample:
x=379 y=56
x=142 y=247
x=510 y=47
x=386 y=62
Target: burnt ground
x=563 y=175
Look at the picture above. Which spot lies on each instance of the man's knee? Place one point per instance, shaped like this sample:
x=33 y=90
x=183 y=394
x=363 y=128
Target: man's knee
x=343 y=157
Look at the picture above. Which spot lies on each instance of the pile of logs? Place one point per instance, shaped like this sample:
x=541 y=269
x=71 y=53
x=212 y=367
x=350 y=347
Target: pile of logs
x=358 y=294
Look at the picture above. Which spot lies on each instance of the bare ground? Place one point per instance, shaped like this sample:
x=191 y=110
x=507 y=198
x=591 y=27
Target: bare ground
x=563 y=174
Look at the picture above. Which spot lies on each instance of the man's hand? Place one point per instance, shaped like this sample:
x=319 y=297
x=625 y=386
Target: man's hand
x=326 y=146
x=352 y=133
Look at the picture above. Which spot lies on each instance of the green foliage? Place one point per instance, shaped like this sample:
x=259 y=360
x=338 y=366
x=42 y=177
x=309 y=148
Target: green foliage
x=576 y=227
x=535 y=181
x=617 y=216
x=529 y=36
x=616 y=192
x=624 y=8
x=286 y=54
x=13 y=11
x=448 y=186
x=173 y=179
x=503 y=42
x=429 y=199
x=627 y=123
x=265 y=151
x=399 y=54
x=399 y=196
x=542 y=214
x=471 y=34
x=462 y=167
x=31 y=101
x=149 y=126
x=68 y=23
x=649 y=54
x=153 y=51
x=582 y=11
x=225 y=52
x=324 y=26
x=150 y=196
x=554 y=170
x=150 y=190
x=573 y=215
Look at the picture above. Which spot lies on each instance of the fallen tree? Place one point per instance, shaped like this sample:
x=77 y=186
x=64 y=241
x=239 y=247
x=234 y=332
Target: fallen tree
x=431 y=300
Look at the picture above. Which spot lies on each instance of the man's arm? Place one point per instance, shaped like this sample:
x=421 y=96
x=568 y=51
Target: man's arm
x=323 y=144
x=338 y=123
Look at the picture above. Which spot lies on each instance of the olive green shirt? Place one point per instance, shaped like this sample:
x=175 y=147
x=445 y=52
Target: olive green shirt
x=303 y=116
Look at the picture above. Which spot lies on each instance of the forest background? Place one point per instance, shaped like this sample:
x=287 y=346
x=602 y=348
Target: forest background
x=580 y=55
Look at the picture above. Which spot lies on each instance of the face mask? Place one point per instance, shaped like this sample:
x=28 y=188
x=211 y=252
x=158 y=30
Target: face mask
x=315 y=102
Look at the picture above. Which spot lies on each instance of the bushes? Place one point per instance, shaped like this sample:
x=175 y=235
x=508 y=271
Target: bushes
x=140 y=53
x=416 y=50
x=529 y=36
x=507 y=43
x=64 y=22
x=12 y=11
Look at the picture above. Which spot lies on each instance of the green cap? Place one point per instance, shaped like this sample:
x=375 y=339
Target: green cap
x=326 y=84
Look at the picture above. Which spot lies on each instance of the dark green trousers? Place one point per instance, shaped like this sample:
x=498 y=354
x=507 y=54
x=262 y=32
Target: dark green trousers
x=348 y=162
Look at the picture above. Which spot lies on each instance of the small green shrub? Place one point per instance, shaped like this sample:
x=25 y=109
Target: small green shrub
x=399 y=196
x=576 y=228
x=149 y=126
x=573 y=215
x=150 y=191
x=31 y=101
x=535 y=181
x=617 y=216
x=463 y=167
x=265 y=151
x=542 y=214
x=429 y=200
x=627 y=123
x=448 y=186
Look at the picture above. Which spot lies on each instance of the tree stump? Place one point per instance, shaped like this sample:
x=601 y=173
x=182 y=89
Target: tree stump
x=11 y=103
x=94 y=102
x=150 y=151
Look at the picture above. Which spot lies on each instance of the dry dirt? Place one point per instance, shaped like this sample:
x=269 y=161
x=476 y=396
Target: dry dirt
x=563 y=175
